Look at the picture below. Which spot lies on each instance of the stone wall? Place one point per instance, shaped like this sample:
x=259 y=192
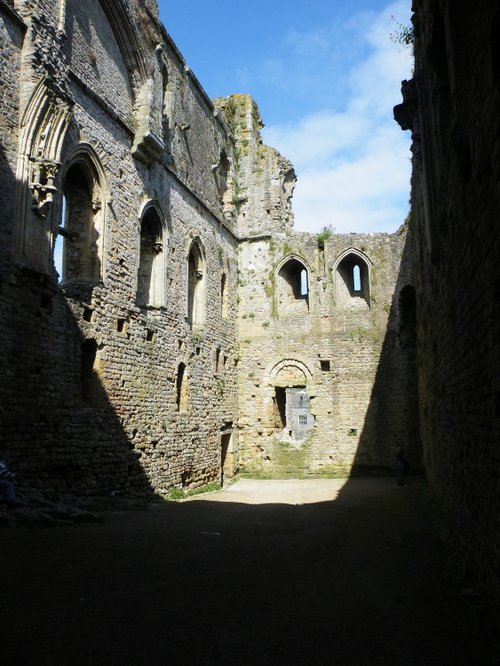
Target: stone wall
x=452 y=107
x=91 y=377
x=162 y=323
x=345 y=347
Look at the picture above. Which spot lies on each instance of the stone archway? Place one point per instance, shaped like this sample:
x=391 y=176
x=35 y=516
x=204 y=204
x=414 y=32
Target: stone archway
x=291 y=401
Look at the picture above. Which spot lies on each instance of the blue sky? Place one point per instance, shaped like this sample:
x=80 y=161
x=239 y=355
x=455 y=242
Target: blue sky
x=325 y=75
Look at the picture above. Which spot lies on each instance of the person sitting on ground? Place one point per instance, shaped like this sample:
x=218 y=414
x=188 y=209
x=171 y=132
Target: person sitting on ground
x=7 y=489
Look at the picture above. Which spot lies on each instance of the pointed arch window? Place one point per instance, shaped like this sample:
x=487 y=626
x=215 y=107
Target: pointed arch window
x=151 y=274
x=353 y=280
x=82 y=223
x=293 y=286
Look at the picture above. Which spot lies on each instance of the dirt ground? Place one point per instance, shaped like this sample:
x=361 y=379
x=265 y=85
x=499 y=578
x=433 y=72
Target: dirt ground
x=348 y=573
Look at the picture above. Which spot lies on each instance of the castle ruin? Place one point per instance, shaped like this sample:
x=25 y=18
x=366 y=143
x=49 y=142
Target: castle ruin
x=163 y=325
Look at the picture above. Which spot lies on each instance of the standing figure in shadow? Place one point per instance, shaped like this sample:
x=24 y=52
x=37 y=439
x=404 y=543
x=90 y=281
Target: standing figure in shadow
x=402 y=466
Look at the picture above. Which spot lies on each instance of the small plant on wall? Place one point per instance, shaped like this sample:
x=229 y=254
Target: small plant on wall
x=324 y=235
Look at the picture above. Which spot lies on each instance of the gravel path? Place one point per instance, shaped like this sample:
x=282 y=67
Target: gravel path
x=347 y=573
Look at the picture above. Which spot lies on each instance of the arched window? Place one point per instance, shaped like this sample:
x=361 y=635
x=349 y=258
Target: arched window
x=293 y=286
x=353 y=280
x=196 y=286
x=82 y=219
x=151 y=275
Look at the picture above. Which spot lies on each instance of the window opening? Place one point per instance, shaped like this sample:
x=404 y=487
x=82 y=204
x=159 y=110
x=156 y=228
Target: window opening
x=408 y=317
x=88 y=376
x=227 y=453
x=181 y=388
x=223 y=295
x=293 y=287
x=59 y=240
x=356 y=278
x=292 y=411
x=280 y=408
x=150 y=280
x=353 y=284
x=81 y=207
x=196 y=287
x=303 y=283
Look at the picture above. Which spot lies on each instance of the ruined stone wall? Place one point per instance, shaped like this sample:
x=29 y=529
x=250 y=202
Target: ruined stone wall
x=91 y=388
x=162 y=323
x=11 y=37
x=346 y=349
x=452 y=107
x=262 y=181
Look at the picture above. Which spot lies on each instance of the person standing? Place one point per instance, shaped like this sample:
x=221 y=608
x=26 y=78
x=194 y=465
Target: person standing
x=402 y=467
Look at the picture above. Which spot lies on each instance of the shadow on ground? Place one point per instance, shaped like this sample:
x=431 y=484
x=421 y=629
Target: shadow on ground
x=360 y=580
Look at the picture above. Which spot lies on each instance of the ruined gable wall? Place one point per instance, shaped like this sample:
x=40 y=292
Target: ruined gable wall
x=346 y=350
x=453 y=111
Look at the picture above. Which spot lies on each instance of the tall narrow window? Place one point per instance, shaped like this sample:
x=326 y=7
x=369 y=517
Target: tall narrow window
x=223 y=296
x=182 y=392
x=88 y=378
x=150 y=279
x=408 y=317
x=356 y=278
x=196 y=287
x=82 y=224
x=59 y=240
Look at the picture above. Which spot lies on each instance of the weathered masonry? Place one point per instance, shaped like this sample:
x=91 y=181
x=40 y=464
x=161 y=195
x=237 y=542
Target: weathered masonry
x=452 y=107
x=161 y=322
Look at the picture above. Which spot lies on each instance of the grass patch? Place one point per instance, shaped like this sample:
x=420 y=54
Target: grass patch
x=175 y=493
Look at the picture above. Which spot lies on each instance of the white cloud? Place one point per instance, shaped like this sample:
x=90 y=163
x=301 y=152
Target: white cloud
x=353 y=161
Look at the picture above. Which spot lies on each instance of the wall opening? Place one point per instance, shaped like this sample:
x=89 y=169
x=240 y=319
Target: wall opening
x=59 y=240
x=408 y=317
x=196 y=287
x=220 y=361
x=81 y=227
x=227 y=463
x=223 y=296
x=88 y=376
x=353 y=281
x=293 y=287
x=292 y=410
x=182 y=392
x=280 y=408
x=150 y=279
